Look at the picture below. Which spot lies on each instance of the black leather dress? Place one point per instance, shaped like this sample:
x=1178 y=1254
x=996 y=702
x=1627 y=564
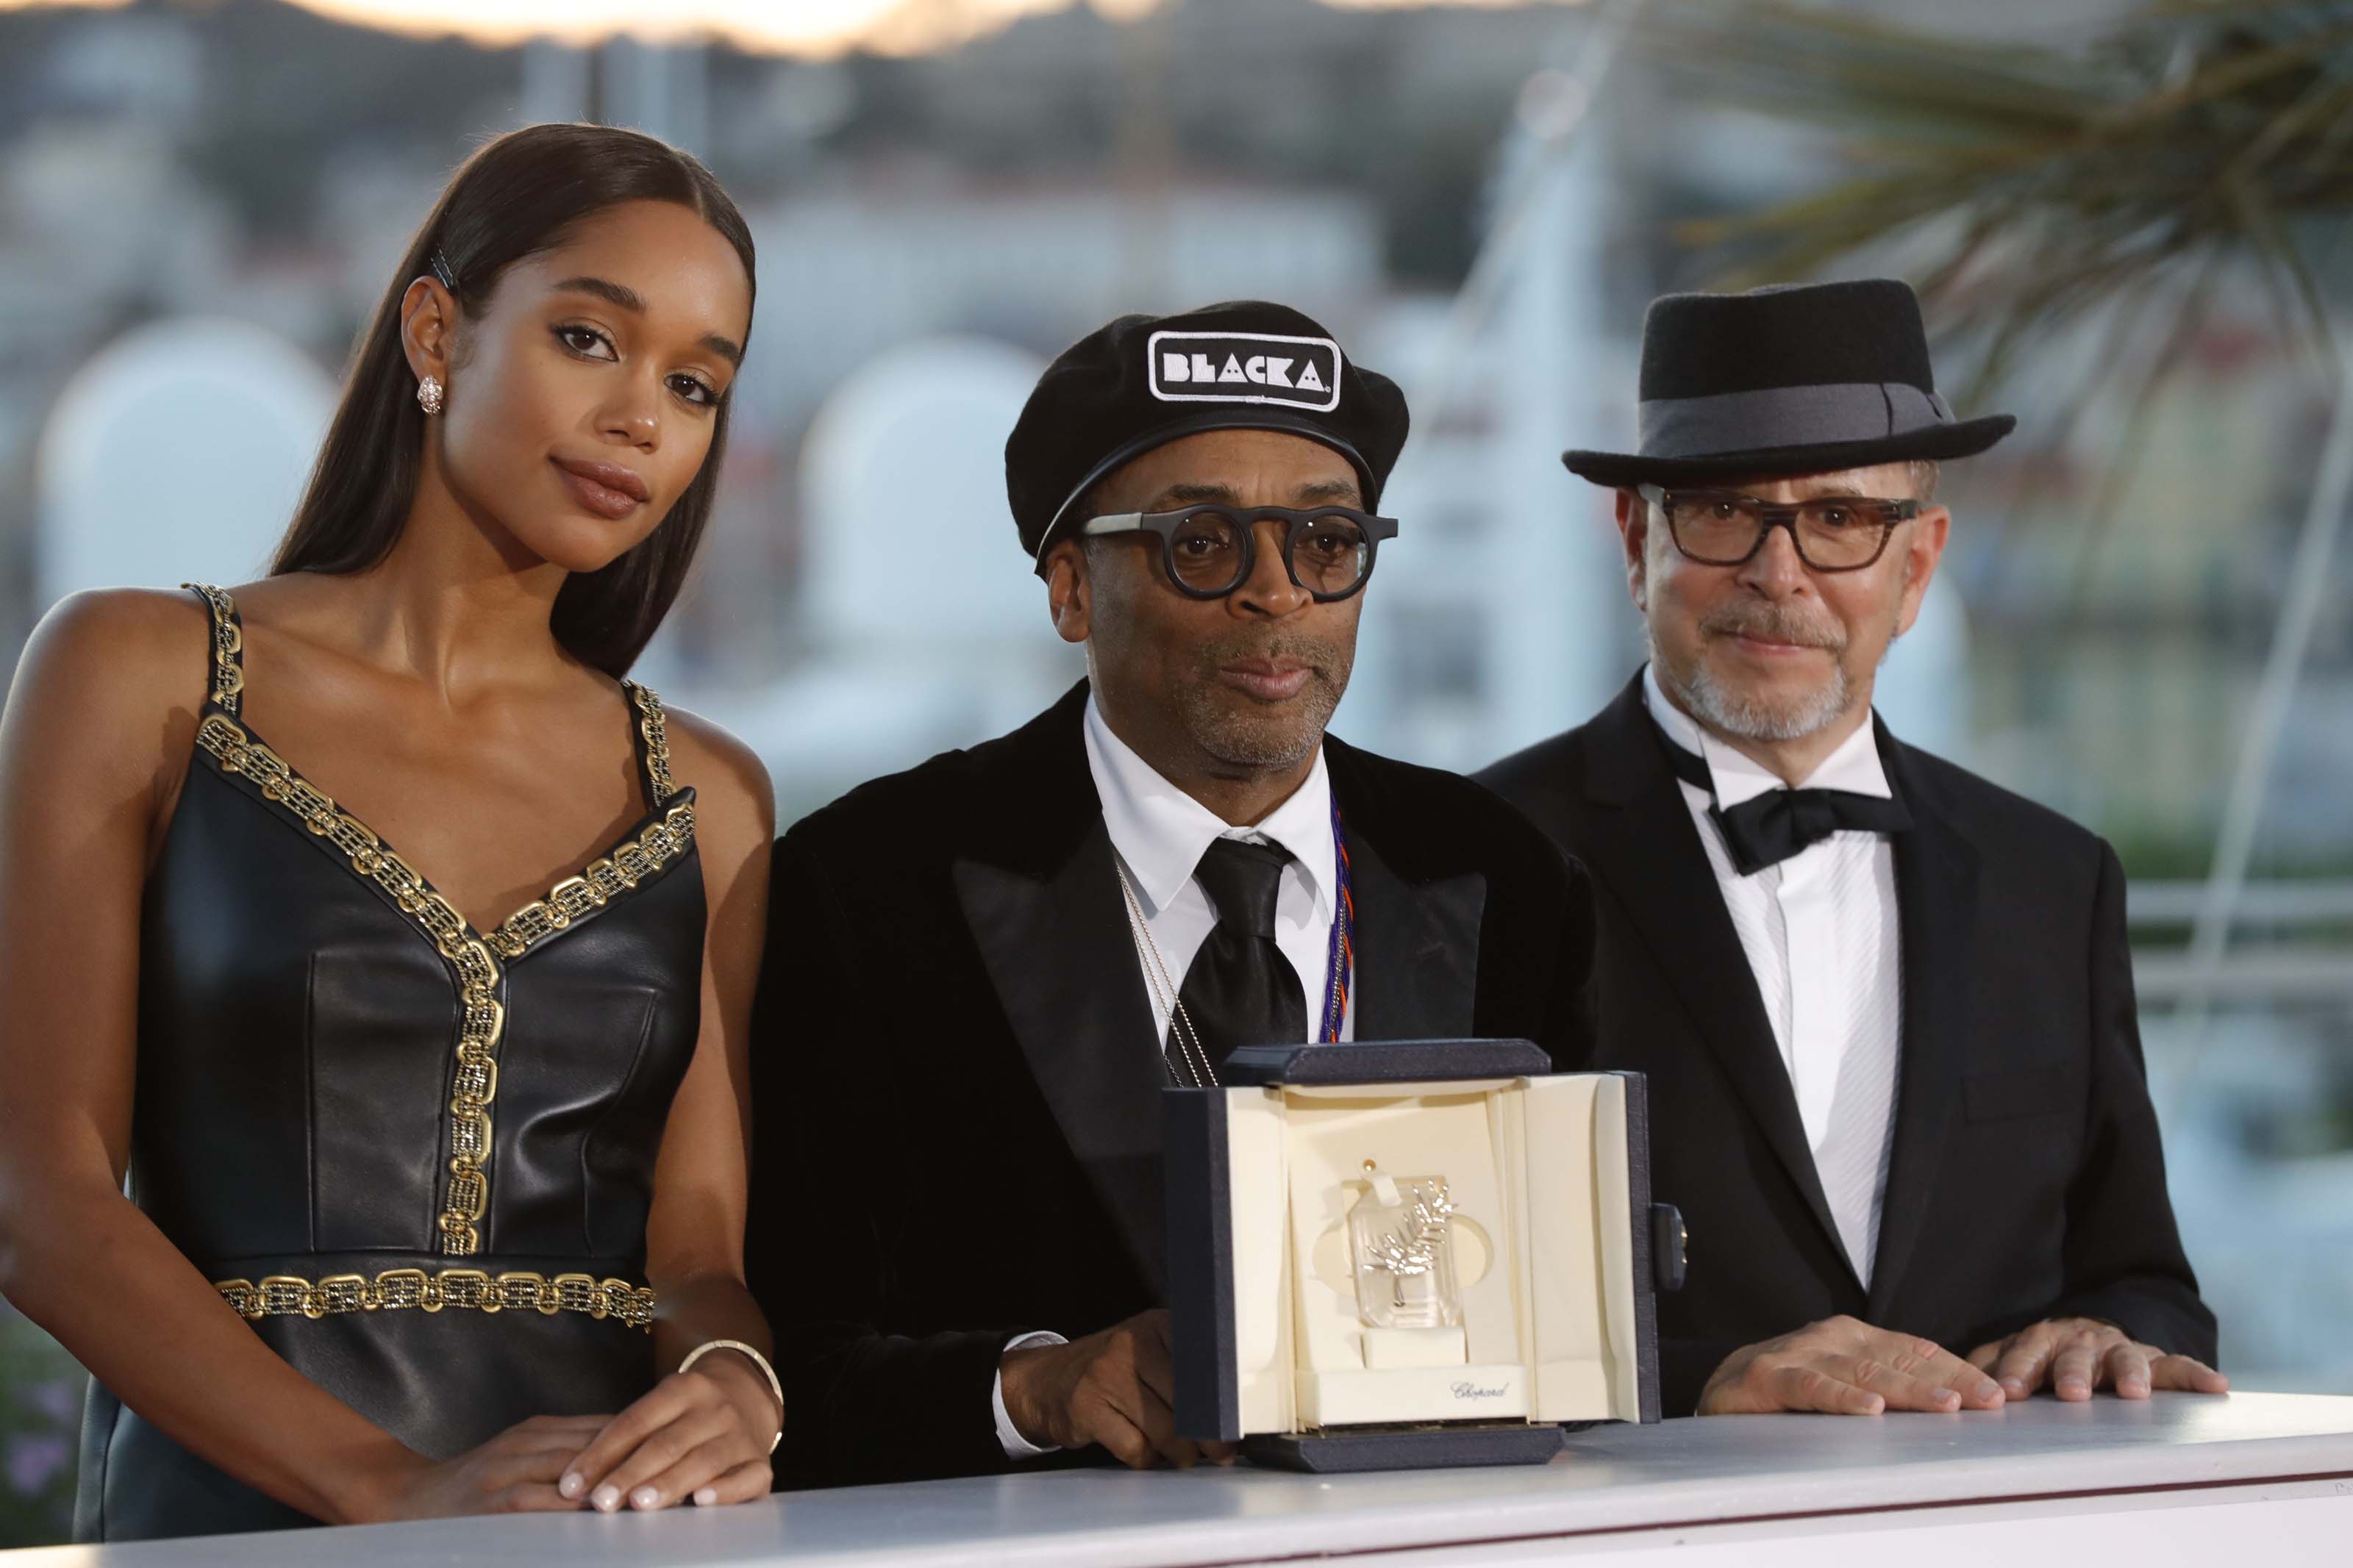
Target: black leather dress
x=417 y=1157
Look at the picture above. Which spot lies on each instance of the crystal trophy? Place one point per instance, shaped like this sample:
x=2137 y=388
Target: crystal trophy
x=1401 y=1240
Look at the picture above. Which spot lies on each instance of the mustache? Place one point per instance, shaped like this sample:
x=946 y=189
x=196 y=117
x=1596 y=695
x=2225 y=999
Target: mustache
x=1322 y=655
x=1774 y=623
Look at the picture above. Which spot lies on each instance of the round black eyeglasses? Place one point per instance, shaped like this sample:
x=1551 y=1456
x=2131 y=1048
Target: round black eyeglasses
x=1211 y=550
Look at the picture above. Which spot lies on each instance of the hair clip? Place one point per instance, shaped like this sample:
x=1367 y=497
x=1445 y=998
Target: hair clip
x=440 y=265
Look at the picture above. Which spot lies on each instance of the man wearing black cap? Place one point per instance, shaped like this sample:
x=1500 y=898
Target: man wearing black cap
x=981 y=973
x=1885 y=1007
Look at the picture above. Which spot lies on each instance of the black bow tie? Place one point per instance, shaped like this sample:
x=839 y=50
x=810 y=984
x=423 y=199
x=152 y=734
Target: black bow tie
x=1770 y=828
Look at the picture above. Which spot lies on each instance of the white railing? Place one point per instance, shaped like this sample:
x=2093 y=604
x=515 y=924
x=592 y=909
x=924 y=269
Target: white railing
x=2275 y=964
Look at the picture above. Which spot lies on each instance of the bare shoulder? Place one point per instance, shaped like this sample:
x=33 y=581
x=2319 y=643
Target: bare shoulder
x=731 y=784
x=110 y=687
x=120 y=652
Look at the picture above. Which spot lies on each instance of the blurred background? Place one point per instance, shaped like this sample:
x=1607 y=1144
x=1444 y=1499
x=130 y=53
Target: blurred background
x=2127 y=218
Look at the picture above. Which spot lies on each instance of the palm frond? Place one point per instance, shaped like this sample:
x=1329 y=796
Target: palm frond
x=2191 y=124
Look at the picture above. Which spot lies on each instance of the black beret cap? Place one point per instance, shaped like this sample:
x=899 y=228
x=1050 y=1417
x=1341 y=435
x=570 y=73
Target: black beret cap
x=1145 y=381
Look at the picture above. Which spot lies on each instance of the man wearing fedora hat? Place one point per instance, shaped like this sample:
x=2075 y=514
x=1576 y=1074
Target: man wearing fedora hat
x=981 y=973
x=1885 y=1007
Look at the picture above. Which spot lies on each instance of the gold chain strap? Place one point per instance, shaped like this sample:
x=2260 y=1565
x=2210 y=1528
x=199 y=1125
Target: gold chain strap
x=655 y=728
x=228 y=642
x=469 y=1290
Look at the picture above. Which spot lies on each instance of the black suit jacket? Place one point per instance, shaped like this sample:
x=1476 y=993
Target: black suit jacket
x=2026 y=1180
x=956 y=1088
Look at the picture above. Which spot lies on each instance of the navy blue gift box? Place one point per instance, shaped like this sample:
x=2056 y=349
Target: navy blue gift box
x=1554 y=1172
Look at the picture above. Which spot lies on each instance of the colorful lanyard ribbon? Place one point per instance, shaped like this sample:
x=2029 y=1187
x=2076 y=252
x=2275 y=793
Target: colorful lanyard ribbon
x=1340 y=962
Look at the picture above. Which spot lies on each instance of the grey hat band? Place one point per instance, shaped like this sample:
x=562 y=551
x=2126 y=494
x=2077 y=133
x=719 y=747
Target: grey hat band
x=1785 y=416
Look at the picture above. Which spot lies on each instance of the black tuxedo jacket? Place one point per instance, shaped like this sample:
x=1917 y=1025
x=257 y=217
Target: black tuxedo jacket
x=2026 y=1180
x=955 y=1081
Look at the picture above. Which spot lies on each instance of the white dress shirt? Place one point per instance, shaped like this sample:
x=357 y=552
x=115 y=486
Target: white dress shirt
x=1160 y=834
x=1822 y=936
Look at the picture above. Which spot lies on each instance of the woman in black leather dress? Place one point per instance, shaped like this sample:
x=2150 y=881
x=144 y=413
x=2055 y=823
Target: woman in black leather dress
x=436 y=1159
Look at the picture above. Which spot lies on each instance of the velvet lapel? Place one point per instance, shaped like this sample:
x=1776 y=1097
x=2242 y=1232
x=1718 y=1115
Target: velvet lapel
x=1040 y=891
x=1651 y=859
x=1936 y=902
x=1417 y=933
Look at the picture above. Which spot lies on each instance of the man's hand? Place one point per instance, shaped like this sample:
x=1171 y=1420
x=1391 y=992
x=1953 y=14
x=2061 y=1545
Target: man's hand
x=2072 y=1356
x=1115 y=1388
x=1843 y=1367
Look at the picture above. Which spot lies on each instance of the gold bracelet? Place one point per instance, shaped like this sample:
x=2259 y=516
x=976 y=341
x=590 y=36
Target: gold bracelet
x=699 y=1352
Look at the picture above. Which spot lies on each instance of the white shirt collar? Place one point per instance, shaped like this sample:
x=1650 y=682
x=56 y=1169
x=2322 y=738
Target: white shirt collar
x=1854 y=767
x=1160 y=833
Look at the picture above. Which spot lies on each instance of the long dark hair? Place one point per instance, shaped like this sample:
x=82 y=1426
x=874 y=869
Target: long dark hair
x=518 y=196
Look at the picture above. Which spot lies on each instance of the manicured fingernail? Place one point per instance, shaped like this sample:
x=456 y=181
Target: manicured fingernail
x=1990 y=1390
x=571 y=1484
x=706 y=1497
x=2133 y=1388
x=1946 y=1396
x=2073 y=1388
x=2014 y=1387
x=645 y=1496
x=605 y=1498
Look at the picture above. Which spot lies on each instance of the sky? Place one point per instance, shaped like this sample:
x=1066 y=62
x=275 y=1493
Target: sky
x=813 y=28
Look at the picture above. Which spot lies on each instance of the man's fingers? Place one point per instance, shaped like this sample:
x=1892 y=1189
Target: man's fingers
x=1977 y=1391
x=2025 y=1361
x=2126 y=1367
x=1160 y=1427
x=1900 y=1390
x=2186 y=1374
x=1984 y=1357
x=2075 y=1367
x=1102 y=1422
x=1156 y=1367
x=1811 y=1388
x=1932 y=1363
x=535 y=1497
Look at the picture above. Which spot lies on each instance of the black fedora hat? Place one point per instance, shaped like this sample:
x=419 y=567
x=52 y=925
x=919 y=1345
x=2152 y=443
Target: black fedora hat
x=1795 y=379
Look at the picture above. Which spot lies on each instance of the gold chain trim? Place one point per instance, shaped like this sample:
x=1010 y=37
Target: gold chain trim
x=477 y=1083
x=468 y=1193
x=599 y=884
x=655 y=728
x=471 y=1289
x=229 y=674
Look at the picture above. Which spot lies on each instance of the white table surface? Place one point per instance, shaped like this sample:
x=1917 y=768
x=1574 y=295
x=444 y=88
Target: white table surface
x=1678 y=1483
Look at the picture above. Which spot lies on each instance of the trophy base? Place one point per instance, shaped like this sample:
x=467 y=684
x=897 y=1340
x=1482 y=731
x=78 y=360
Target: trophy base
x=1456 y=1445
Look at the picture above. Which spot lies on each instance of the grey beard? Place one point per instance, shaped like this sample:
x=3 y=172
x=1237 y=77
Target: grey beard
x=1731 y=713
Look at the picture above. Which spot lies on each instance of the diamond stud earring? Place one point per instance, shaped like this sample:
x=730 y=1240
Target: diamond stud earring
x=429 y=395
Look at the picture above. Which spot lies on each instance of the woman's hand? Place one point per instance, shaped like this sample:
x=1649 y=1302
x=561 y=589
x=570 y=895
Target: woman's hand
x=514 y=1473
x=702 y=1433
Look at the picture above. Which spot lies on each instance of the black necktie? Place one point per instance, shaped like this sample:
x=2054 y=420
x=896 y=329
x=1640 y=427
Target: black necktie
x=1240 y=990
x=1770 y=828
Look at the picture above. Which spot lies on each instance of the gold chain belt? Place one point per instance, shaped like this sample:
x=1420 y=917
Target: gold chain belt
x=471 y=1290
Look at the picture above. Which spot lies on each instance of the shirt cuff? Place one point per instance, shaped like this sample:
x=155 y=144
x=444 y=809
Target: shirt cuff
x=1015 y=1445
